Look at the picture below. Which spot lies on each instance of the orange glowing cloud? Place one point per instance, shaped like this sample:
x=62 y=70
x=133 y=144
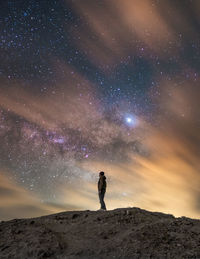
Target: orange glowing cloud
x=16 y=202
x=121 y=28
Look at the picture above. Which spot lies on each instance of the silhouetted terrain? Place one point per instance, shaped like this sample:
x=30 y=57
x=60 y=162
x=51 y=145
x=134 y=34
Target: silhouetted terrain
x=120 y=233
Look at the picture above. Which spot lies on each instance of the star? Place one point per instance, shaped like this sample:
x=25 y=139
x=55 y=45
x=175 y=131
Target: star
x=130 y=120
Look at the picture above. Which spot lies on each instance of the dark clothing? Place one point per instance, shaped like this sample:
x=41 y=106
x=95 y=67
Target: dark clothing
x=102 y=183
x=101 y=199
x=102 y=190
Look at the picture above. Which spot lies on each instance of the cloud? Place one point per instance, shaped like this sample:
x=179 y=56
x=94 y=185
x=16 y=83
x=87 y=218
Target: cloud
x=117 y=28
x=16 y=202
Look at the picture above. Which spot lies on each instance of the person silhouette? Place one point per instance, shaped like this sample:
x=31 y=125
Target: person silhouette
x=102 y=189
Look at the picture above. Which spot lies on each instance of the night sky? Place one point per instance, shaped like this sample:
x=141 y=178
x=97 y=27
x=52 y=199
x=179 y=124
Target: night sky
x=89 y=86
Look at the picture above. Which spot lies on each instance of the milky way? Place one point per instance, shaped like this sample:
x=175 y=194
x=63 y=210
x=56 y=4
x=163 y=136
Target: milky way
x=87 y=86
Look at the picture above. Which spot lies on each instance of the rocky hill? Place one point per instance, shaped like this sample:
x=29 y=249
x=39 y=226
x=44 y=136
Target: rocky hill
x=121 y=233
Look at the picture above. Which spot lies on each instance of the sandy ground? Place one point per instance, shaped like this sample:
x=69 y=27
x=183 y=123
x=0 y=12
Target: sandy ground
x=120 y=233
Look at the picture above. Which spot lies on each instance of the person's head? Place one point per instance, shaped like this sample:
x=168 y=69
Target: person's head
x=101 y=174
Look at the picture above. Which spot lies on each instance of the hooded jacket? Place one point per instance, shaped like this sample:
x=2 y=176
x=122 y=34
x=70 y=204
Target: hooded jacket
x=102 y=183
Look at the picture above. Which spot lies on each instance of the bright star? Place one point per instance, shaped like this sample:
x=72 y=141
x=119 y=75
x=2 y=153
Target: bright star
x=131 y=120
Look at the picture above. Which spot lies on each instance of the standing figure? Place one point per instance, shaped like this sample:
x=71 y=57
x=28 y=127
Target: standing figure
x=102 y=189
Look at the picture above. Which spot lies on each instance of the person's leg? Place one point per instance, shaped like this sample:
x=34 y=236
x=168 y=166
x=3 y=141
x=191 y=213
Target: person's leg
x=103 y=206
x=100 y=199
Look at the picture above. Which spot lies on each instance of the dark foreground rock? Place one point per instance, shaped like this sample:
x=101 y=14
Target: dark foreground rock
x=121 y=233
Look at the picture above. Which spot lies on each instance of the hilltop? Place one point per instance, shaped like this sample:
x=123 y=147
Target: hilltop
x=121 y=233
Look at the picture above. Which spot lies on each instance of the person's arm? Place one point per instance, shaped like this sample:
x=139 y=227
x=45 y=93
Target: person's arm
x=100 y=184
